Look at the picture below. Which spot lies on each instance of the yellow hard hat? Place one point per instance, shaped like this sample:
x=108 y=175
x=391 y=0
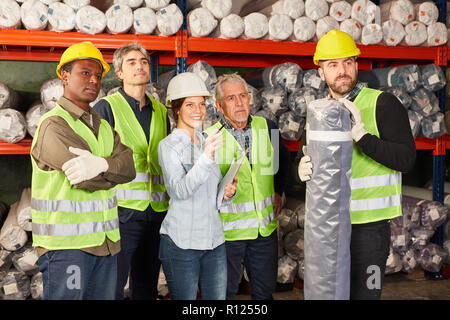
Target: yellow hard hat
x=335 y=44
x=80 y=51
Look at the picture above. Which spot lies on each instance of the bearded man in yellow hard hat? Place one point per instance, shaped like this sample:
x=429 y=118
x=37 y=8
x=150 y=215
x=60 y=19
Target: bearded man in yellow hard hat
x=383 y=148
x=77 y=158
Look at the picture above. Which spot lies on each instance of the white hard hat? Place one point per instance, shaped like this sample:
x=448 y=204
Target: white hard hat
x=186 y=84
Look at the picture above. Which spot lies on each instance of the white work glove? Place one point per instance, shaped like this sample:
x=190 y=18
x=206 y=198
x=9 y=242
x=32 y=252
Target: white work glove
x=358 y=130
x=305 y=167
x=84 y=167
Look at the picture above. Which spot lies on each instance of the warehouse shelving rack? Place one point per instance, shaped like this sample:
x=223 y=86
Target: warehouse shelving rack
x=183 y=50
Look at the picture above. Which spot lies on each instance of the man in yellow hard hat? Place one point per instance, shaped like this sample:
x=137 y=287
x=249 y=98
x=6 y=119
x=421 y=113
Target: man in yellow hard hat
x=77 y=158
x=383 y=148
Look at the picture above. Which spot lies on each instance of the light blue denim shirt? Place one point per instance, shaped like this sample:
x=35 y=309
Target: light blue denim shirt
x=191 y=180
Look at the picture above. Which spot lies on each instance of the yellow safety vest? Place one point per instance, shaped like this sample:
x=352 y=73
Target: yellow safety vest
x=148 y=187
x=67 y=218
x=251 y=212
x=376 y=189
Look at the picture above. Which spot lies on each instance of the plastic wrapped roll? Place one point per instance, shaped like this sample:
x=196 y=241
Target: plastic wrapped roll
x=400 y=93
x=231 y=27
x=34 y=15
x=325 y=93
x=9 y=99
x=255 y=99
x=168 y=20
x=12 y=236
x=24 y=210
x=316 y=9
x=304 y=29
x=426 y=12
x=292 y=8
x=294 y=244
x=90 y=20
x=327 y=222
x=325 y=24
x=371 y=34
x=287 y=269
x=424 y=102
x=433 y=214
x=256 y=25
x=5 y=262
x=431 y=258
x=25 y=259
x=218 y=8
x=352 y=27
x=274 y=100
x=409 y=261
x=291 y=125
x=416 y=33
x=77 y=4
x=144 y=21
x=364 y=12
x=51 y=91
x=412 y=211
x=312 y=79
x=299 y=99
x=432 y=77
x=133 y=4
x=288 y=76
x=206 y=72
x=400 y=239
x=301 y=269
x=407 y=76
x=280 y=27
x=400 y=10
x=15 y=286
x=393 y=262
x=420 y=237
x=157 y=4
x=433 y=126
x=200 y=22
x=157 y=92
x=437 y=34
x=61 y=17
x=300 y=212
x=393 y=32
x=13 y=126
x=267 y=114
x=340 y=10
x=119 y=19
x=36 y=286
x=287 y=221
x=9 y=14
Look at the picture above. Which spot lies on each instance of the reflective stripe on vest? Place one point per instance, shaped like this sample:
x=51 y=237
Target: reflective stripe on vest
x=67 y=230
x=248 y=223
x=141 y=195
x=248 y=206
x=376 y=181
x=376 y=203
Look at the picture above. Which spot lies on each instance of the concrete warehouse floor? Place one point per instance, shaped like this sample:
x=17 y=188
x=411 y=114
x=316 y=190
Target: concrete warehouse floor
x=397 y=286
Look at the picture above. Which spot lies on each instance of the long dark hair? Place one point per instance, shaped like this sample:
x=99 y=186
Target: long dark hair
x=176 y=106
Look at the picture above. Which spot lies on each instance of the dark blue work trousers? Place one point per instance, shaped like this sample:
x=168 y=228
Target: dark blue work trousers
x=260 y=258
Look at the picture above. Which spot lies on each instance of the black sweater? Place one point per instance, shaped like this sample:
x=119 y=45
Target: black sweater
x=395 y=148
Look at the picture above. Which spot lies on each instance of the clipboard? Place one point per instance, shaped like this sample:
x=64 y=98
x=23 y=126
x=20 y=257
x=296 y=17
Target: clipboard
x=231 y=174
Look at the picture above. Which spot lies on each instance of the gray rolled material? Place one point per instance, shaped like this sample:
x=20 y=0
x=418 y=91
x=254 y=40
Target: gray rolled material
x=287 y=221
x=13 y=126
x=407 y=76
x=433 y=214
x=294 y=244
x=393 y=262
x=431 y=257
x=267 y=114
x=301 y=269
x=433 y=126
x=409 y=261
x=291 y=125
x=36 y=286
x=24 y=210
x=300 y=211
x=400 y=239
x=15 y=286
x=311 y=78
x=327 y=221
x=255 y=99
x=8 y=97
x=299 y=100
x=287 y=269
x=206 y=72
x=400 y=93
x=420 y=237
x=274 y=100
x=432 y=77
x=411 y=214
x=5 y=262
x=12 y=236
x=25 y=259
x=415 y=121
x=51 y=90
x=288 y=76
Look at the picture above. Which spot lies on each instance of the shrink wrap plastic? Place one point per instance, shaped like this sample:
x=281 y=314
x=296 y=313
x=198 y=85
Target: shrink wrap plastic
x=325 y=24
x=51 y=91
x=13 y=126
x=15 y=286
x=12 y=236
x=231 y=27
x=218 y=8
x=304 y=29
x=287 y=221
x=5 y=262
x=316 y=9
x=77 y=4
x=255 y=99
x=9 y=14
x=34 y=15
x=294 y=244
x=275 y=101
x=292 y=8
x=119 y=19
x=416 y=33
x=365 y=12
x=36 y=286
x=393 y=32
x=266 y=113
x=400 y=10
x=287 y=269
x=437 y=34
x=24 y=210
x=291 y=125
x=311 y=79
x=90 y=20
x=431 y=257
x=298 y=100
x=400 y=93
x=352 y=27
x=424 y=102
x=409 y=261
x=340 y=10
x=407 y=76
x=426 y=12
x=25 y=259
x=371 y=34
x=393 y=262
x=256 y=25
x=200 y=22
x=168 y=20
x=415 y=120
x=61 y=17
x=206 y=72
x=327 y=221
x=432 y=77
x=9 y=99
x=280 y=27
x=144 y=21
x=433 y=126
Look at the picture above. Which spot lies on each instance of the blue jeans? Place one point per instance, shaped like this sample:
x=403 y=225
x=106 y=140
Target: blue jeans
x=77 y=275
x=260 y=258
x=186 y=268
